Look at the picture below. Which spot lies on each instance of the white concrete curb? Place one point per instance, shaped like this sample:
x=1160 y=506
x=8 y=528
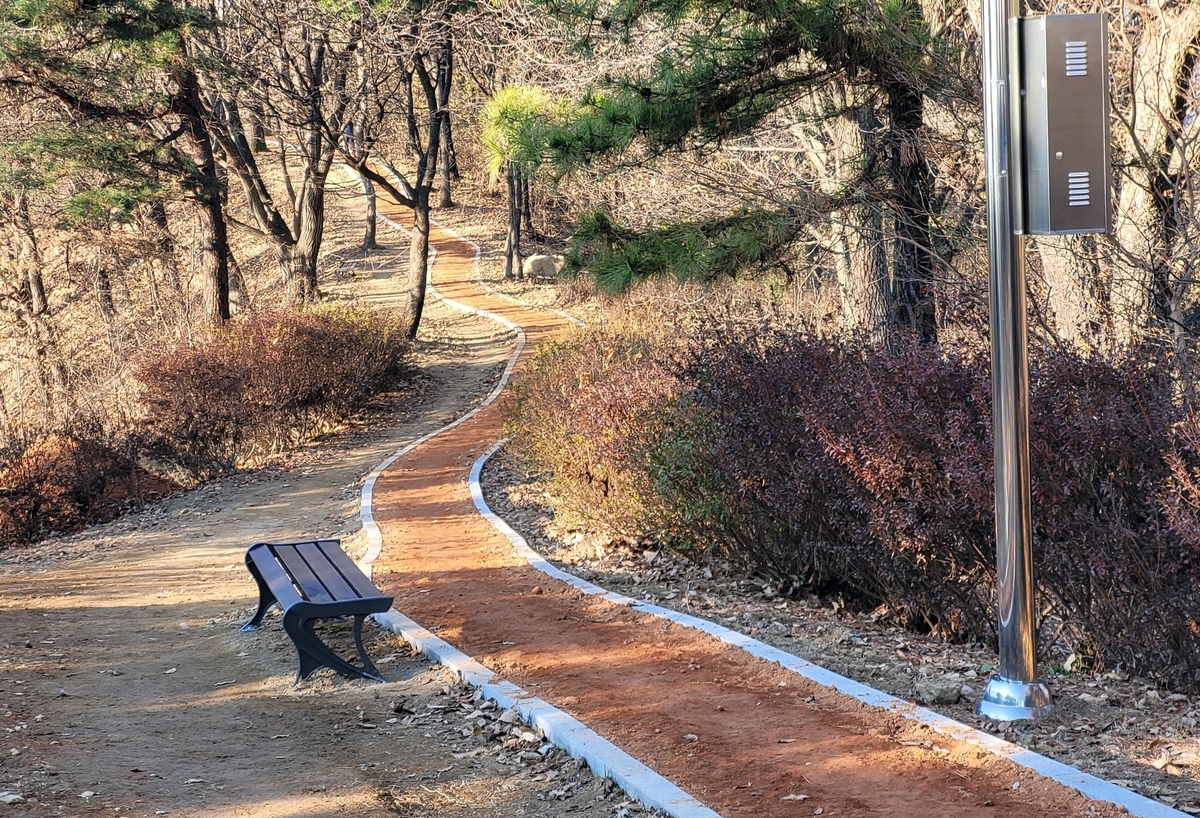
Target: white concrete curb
x=602 y=757
x=374 y=535
x=1088 y=785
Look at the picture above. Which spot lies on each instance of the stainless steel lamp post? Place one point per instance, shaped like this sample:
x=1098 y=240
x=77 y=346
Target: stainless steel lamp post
x=1014 y=692
x=1046 y=152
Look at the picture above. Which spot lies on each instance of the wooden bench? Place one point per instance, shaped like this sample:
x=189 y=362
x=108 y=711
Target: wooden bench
x=310 y=581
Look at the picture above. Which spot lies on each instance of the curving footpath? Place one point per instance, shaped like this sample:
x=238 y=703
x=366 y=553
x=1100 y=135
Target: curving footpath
x=735 y=727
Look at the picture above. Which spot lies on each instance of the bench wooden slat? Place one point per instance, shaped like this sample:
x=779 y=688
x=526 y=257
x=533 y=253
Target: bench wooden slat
x=310 y=586
x=346 y=567
x=320 y=564
x=276 y=577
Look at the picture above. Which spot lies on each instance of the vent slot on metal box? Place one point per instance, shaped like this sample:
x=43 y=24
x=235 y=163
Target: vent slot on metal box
x=1077 y=58
x=1079 y=189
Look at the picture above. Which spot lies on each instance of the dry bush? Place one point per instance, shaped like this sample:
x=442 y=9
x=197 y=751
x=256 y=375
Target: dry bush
x=586 y=411
x=62 y=482
x=258 y=386
x=848 y=468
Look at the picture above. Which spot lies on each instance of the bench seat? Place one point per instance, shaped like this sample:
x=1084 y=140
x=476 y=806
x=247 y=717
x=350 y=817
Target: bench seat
x=309 y=581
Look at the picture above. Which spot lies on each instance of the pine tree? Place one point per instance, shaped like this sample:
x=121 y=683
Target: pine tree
x=514 y=123
x=128 y=90
x=734 y=63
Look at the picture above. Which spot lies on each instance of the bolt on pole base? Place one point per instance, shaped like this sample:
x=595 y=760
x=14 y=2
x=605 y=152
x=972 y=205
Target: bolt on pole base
x=1008 y=700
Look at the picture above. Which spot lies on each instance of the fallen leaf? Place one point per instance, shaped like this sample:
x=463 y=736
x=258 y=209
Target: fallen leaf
x=194 y=781
x=86 y=794
x=172 y=670
x=795 y=796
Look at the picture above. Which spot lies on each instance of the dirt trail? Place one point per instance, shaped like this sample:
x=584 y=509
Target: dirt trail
x=127 y=690
x=738 y=733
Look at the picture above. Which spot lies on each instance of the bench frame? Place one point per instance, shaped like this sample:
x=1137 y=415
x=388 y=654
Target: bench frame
x=314 y=580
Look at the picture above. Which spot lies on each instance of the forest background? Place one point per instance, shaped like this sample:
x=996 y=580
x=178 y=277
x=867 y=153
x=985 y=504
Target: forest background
x=780 y=204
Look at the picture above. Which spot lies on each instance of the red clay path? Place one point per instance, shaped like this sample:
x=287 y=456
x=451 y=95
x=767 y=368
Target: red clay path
x=736 y=732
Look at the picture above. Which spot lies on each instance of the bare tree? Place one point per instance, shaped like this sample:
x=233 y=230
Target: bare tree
x=419 y=92
x=295 y=63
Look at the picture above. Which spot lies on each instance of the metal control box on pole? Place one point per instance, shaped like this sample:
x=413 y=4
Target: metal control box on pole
x=1064 y=124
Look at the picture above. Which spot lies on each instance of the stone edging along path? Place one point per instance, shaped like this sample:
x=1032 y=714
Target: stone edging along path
x=748 y=729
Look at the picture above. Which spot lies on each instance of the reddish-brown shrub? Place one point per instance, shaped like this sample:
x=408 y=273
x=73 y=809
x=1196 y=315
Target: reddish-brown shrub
x=869 y=471
x=875 y=468
x=258 y=386
x=63 y=482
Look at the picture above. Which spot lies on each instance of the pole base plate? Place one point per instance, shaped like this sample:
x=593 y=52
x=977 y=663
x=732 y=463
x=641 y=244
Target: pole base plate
x=1009 y=700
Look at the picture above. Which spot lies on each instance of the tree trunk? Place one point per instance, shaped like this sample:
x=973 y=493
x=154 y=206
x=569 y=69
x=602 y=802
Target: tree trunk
x=449 y=164
x=258 y=130
x=154 y=224
x=209 y=194
x=449 y=158
x=862 y=264
x=239 y=300
x=512 y=245
x=301 y=258
x=912 y=180
x=370 y=241
x=527 y=210
x=436 y=90
x=214 y=252
x=1076 y=297
x=863 y=276
x=418 y=262
x=29 y=255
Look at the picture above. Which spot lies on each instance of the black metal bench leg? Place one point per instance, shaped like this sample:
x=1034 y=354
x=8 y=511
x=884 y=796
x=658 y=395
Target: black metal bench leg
x=369 y=669
x=315 y=654
x=265 y=598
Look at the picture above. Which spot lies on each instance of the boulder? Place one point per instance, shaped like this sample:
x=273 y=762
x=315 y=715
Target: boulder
x=542 y=267
x=938 y=691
